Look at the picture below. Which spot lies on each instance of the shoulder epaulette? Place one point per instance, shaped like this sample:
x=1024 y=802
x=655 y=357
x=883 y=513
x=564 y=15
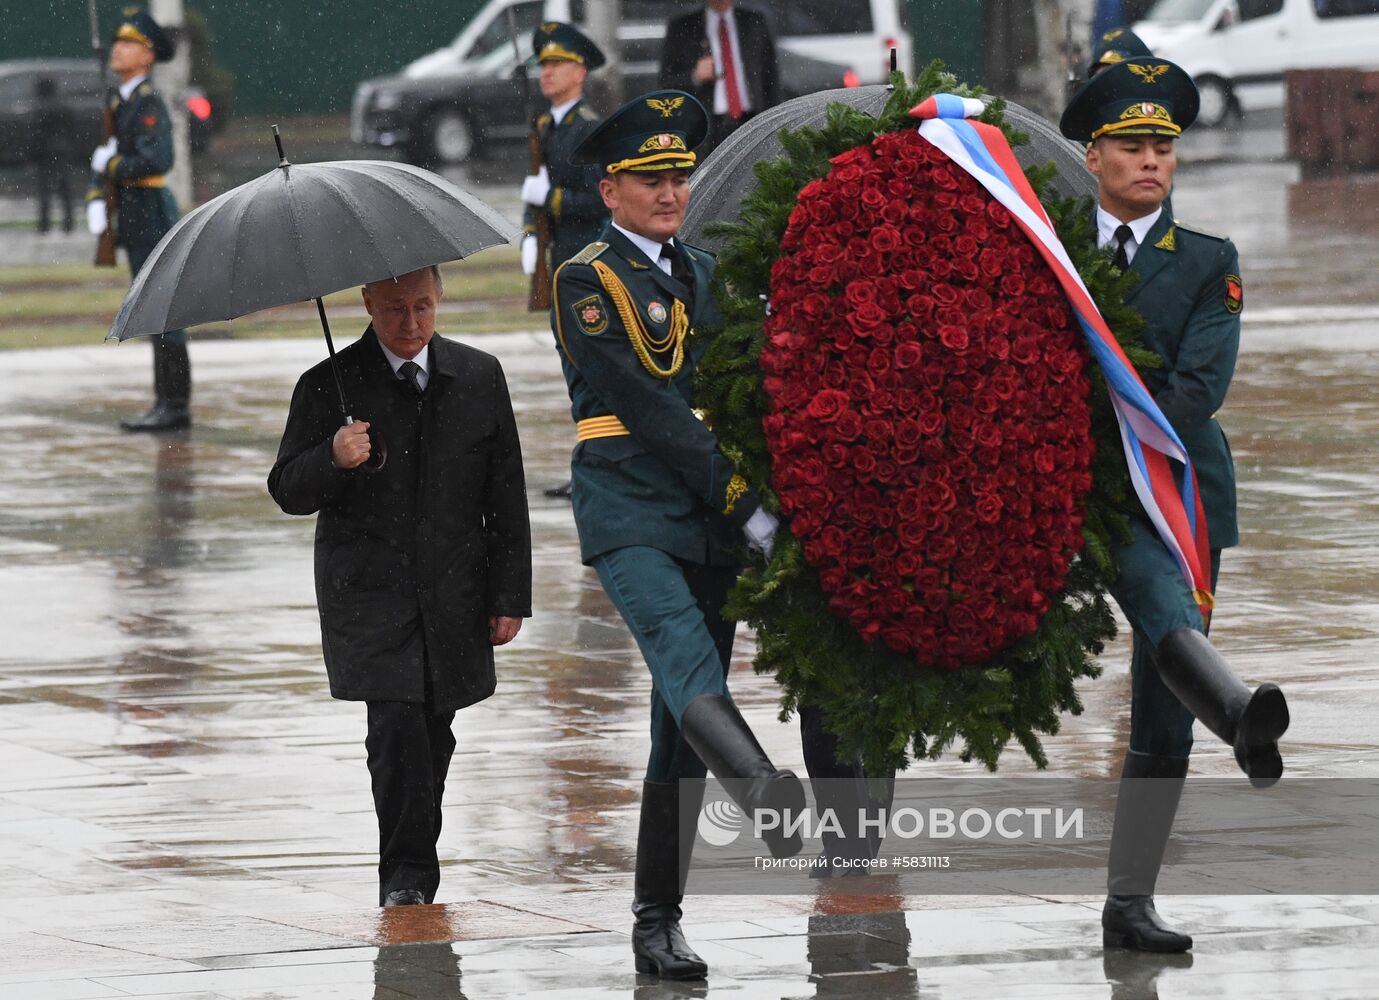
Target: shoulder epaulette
x=145 y=89
x=1199 y=232
x=587 y=114
x=587 y=255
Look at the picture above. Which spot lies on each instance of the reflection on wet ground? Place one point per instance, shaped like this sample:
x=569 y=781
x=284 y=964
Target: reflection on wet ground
x=185 y=812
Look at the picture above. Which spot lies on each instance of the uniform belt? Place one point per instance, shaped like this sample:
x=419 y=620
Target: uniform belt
x=601 y=427
x=156 y=181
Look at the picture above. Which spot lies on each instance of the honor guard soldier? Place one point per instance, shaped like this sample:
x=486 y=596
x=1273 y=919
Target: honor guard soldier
x=135 y=161
x=568 y=193
x=1116 y=46
x=1190 y=295
x=660 y=510
x=564 y=212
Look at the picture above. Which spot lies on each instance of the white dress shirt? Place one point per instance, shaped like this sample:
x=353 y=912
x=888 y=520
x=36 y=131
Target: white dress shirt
x=422 y=359
x=1107 y=224
x=128 y=88
x=652 y=248
x=720 y=86
x=559 y=111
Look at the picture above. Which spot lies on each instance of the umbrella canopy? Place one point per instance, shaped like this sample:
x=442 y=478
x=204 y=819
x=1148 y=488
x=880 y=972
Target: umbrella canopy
x=298 y=233
x=726 y=177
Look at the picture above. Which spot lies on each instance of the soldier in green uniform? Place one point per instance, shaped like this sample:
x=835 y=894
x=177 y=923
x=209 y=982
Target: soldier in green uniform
x=660 y=510
x=1190 y=295
x=1116 y=46
x=137 y=159
x=566 y=193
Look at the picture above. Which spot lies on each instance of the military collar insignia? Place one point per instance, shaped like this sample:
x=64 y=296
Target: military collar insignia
x=549 y=27
x=1235 y=294
x=591 y=314
x=667 y=107
x=1169 y=242
x=656 y=311
x=638 y=265
x=1149 y=74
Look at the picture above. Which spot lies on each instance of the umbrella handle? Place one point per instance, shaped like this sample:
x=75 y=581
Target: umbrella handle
x=378 y=450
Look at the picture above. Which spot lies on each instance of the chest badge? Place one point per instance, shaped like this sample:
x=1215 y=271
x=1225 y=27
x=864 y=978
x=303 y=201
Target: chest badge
x=656 y=311
x=591 y=315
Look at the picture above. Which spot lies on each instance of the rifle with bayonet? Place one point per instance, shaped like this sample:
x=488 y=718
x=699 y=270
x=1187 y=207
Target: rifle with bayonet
x=105 y=244
x=539 y=296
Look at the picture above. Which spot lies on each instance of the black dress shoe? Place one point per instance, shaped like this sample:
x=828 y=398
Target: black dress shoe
x=658 y=946
x=1132 y=922
x=405 y=897
x=161 y=416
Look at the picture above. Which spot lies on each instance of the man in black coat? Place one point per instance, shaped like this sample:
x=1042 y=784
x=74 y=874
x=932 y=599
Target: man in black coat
x=724 y=55
x=422 y=565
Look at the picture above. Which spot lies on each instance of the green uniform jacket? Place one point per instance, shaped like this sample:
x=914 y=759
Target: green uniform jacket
x=1190 y=296
x=576 y=209
x=143 y=133
x=666 y=484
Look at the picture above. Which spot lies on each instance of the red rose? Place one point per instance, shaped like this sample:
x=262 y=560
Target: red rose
x=828 y=404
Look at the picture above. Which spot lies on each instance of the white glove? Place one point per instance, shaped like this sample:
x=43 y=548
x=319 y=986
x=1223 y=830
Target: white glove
x=104 y=153
x=529 y=253
x=760 y=530
x=536 y=187
x=96 y=219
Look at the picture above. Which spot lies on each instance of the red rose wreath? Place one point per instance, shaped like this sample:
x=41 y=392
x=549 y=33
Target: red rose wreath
x=901 y=376
x=929 y=427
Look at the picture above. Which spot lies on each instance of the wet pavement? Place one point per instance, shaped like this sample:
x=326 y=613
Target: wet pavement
x=185 y=813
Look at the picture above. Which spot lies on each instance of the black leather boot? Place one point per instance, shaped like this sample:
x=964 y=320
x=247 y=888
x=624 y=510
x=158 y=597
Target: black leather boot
x=172 y=385
x=1150 y=788
x=713 y=727
x=1206 y=685
x=663 y=848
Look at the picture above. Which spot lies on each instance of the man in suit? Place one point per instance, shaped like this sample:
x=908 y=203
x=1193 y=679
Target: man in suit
x=422 y=565
x=725 y=55
x=136 y=160
x=661 y=512
x=1191 y=296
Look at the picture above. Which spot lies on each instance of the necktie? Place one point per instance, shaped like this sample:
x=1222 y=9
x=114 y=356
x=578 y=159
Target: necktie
x=725 y=49
x=1123 y=236
x=678 y=270
x=409 y=370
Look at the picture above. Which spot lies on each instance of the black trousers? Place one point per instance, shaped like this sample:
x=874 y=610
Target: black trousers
x=409 y=749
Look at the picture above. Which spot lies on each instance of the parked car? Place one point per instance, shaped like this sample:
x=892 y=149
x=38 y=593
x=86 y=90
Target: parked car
x=79 y=89
x=1238 y=50
x=466 y=98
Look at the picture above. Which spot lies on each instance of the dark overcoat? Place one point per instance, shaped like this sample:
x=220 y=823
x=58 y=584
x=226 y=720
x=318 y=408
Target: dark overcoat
x=411 y=561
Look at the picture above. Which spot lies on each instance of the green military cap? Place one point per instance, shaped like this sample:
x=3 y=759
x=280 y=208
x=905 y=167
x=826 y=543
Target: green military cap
x=555 y=40
x=136 y=25
x=657 y=131
x=1143 y=96
x=1117 y=45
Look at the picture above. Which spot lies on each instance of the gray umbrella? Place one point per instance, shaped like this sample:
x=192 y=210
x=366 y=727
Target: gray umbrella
x=726 y=177
x=298 y=233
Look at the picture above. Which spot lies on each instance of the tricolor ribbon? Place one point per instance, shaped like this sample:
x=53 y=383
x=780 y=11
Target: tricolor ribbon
x=1149 y=439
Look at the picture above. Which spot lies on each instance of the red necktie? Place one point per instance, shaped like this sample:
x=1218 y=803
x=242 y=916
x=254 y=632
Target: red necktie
x=725 y=48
